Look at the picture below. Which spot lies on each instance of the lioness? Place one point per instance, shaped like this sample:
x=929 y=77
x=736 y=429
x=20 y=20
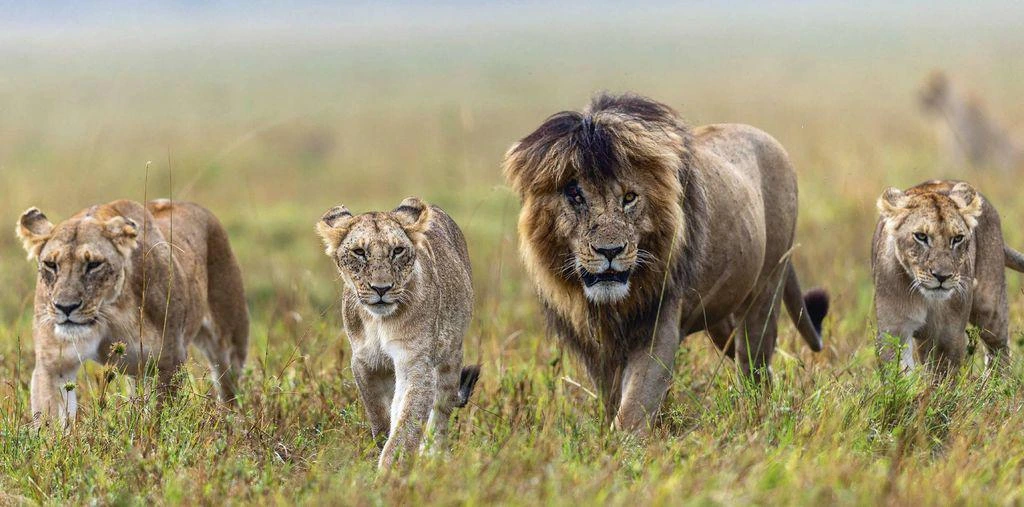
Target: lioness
x=407 y=301
x=937 y=259
x=129 y=285
x=970 y=135
x=638 y=230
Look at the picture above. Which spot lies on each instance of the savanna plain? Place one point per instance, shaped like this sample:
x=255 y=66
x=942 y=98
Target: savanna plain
x=270 y=128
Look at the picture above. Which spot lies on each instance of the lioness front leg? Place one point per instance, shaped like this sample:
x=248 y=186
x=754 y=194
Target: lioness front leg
x=893 y=345
x=50 y=396
x=415 y=389
x=377 y=389
x=648 y=374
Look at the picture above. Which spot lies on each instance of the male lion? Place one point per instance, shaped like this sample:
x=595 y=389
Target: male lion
x=937 y=260
x=110 y=290
x=970 y=135
x=407 y=301
x=638 y=230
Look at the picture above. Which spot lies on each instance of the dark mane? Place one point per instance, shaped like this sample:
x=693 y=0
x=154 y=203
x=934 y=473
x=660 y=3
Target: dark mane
x=598 y=143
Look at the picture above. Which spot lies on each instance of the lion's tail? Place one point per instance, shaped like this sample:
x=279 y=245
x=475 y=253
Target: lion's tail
x=1014 y=259
x=470 y=374
x=806 y=310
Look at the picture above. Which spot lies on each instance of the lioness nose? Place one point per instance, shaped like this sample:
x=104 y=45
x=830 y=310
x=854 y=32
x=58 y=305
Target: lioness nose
x=940 y=277
x=67 y=309
x=609 y=252
x=381 y=289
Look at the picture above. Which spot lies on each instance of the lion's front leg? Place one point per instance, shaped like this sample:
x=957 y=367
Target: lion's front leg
x=415 y=390
x=648 y=374
x=53 y=395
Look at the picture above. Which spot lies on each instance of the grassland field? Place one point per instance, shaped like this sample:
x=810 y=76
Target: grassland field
x=271 y=129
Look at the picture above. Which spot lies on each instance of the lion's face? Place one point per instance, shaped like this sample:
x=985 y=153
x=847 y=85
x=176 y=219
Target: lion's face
x=602 y=224
x=932 y=234
x=601 y=192
x=82 y=267
x=376 y=252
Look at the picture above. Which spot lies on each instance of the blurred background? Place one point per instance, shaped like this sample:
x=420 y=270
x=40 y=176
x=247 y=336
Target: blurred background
x=269 y=114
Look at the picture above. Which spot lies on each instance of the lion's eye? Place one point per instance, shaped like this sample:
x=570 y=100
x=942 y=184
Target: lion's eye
x=359 y=252
x=629 y=198
x=922 y=237
x=398 y=251
x=52 y=266
x=959 y=238
x=574 y=194
x=92 y=266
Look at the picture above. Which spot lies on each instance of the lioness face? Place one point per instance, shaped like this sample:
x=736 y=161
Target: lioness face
x=376 y=252
x=603 y=224
x=82 y=267
x=932 y=234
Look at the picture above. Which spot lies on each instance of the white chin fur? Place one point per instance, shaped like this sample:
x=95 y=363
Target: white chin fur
x=937 y=295
x=606 y=292
x=381 y=310
x=72 y=331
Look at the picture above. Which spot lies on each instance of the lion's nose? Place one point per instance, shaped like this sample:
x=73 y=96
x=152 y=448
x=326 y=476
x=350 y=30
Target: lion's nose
x=381 y=289
x=940 y=277
x=67 y=309
x=609 y=253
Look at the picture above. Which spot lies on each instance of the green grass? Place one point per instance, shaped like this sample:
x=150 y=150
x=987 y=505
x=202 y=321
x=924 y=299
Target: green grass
x=269 y=139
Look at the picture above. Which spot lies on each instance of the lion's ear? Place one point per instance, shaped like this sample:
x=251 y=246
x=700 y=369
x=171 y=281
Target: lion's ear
x=414 y=214
x=968 y=200
x=33 y=229
x=333 y=226
x=123 y=232
x=891 y=201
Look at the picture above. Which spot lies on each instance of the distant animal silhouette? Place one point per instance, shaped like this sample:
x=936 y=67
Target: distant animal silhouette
x=970 y=135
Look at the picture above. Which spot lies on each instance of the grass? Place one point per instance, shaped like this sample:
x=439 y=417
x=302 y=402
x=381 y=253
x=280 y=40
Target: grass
x=269 y=138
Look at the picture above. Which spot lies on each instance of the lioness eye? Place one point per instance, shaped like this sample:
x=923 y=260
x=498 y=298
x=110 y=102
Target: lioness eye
x=52 y=266
x=573 y=193
x=957 y=239
x=92 y=266
x=359 y=252
x=397 y=251
x=628 y=198
x=922 y=237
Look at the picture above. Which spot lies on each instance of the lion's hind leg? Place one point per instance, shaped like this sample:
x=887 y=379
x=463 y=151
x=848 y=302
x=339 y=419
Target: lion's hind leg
x=757 y=333
x=228 y=327
x=223 y=372
x=991 y=316
x=723 y=335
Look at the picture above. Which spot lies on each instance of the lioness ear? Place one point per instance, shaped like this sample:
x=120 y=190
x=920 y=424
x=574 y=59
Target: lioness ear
x=414 y=214
x=891 y=201
x=968 y=201
x=333 y=226
x=33 y=230
x=122 y=231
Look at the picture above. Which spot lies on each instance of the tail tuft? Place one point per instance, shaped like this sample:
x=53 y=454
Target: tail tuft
x=816 y=301
x=470 y=374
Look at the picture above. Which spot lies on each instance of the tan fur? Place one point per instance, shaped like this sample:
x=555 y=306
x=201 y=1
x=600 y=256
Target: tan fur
x=108 y=261
x=638 y=230
x=937 y=260
x=970 y=135
x=408 y=299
